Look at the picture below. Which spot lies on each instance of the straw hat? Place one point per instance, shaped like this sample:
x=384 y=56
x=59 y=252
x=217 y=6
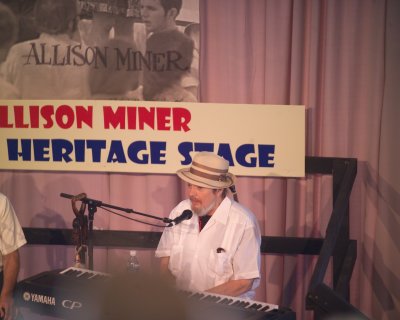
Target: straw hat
x=208 y=170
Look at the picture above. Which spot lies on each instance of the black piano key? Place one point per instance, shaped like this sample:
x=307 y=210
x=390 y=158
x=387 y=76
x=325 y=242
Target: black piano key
x=236 y=303
x=265 y=308
x=86 y=275
x=197 y=296
x=209 y=298
x=216 y=299
x=99 y=277
x=71 y=272
x=255 y=306
x=226 y=301
x=243 y=304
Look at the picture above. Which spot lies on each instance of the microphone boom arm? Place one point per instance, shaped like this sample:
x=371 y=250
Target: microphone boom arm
x=98 y=203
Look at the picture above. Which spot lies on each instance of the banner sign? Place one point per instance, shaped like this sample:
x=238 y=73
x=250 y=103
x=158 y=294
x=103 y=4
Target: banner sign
x=150 y=137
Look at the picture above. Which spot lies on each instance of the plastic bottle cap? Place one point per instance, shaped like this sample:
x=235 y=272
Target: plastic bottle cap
x=132 y=253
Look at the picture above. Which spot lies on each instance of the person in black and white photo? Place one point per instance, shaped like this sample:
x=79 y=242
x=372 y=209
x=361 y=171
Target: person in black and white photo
x=8 y=35
x=164 y=83
x=110 y=17
x=54 y=66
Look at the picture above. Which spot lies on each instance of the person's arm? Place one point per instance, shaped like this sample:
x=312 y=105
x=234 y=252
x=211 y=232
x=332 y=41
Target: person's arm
x=246 y=265
x=10 y=274
x=233 y=287
x=164 y=261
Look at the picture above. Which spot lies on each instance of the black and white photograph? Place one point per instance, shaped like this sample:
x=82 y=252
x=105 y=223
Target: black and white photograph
x=117 y=50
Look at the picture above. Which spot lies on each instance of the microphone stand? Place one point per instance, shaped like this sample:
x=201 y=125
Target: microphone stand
x=92 y=208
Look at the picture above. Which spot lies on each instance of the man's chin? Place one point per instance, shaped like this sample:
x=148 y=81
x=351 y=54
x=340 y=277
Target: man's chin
x=199 y=212
x=148 y=28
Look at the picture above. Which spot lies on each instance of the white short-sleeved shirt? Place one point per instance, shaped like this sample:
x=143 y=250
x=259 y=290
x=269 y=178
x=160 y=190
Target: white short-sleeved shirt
x=194 y=258
x=11 y=234
x=46 y=68
x=8 y=91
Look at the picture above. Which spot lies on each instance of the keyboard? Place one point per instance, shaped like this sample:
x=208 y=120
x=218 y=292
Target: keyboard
x=205 y=305
x=68 y=293
x=75 y=293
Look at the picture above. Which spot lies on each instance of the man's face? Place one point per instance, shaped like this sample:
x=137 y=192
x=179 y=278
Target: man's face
x=203 y=200
x=154 y=17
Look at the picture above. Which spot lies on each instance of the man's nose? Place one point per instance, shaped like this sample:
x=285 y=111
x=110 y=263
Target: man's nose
x=191 y=191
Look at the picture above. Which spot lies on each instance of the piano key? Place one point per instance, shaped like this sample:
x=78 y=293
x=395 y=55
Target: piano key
x=265 y=308
x=226 y=301
x=197 y=296
x=255 y=306
x=71 y=272
x=244 y=304
x=210 y=298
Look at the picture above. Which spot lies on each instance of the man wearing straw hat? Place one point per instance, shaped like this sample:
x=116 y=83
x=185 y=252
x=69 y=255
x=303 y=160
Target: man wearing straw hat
x=218 y=249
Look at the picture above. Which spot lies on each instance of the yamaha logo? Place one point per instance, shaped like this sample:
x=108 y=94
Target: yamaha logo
x=26 y=296
x=39 y=298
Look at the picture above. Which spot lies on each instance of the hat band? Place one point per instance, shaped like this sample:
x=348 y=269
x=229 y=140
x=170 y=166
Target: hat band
x=221 y=177
x=202 y=166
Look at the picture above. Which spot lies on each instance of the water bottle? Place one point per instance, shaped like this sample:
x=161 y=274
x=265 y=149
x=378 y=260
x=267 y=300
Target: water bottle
x=133 y=262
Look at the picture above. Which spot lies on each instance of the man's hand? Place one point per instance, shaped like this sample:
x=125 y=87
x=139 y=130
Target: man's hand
x=164 y=270
x=7 y=310
x=10 y=273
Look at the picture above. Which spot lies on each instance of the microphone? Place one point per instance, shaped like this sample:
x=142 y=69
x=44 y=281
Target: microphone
x=186 y=215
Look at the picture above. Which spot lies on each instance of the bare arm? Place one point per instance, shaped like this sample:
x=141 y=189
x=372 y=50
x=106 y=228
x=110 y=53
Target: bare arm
x=164 y=262
x=10 y=273
x=233 y=287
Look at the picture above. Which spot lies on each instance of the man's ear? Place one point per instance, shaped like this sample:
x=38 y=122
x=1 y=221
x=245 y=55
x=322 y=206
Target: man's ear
x=172 y=13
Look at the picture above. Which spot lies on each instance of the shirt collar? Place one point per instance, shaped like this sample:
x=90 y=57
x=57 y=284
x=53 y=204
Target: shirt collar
x=61 y=37
x=222 y=212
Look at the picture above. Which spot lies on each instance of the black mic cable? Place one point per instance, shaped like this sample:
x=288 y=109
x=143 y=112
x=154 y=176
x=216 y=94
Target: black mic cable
x=121 y=215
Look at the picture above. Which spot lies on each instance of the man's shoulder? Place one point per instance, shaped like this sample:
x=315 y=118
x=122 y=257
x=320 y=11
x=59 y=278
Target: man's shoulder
x=19 y=52
x=242 y=213
x=3 y=198
x=7 y=90
x=239 y=207
x=23 y=46
x=3 y=204
x=43 y=42
x=170 y=34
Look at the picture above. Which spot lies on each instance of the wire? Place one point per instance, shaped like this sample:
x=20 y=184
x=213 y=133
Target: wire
x=121 y=215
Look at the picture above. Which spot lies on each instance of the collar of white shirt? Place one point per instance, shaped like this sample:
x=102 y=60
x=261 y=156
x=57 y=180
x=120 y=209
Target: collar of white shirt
x=222 y=212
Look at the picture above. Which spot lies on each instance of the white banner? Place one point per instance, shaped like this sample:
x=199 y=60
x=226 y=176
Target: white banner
x=150 y=137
